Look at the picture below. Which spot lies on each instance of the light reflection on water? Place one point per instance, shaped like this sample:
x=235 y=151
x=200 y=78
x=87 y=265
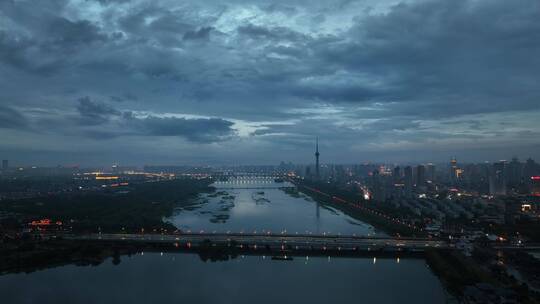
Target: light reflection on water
x=184 y=278
x=258 y=205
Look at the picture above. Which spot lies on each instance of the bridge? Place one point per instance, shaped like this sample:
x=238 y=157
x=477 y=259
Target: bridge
x=255 y=182
x=284 y=243
x=250 y=188
x=247 y=176
x=525 y=247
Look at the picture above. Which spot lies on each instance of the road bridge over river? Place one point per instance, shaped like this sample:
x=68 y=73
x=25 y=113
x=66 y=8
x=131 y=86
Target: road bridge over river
x=283 y=242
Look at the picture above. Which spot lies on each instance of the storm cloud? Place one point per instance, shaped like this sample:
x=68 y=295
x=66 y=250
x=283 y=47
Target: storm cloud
x=251 y=81
x=11 y=118
x=93 y=112
x=112 y=123
x=195 y=130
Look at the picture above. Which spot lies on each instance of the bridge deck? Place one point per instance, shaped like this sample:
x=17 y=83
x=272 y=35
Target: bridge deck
x=317 y=242
x=254 y=188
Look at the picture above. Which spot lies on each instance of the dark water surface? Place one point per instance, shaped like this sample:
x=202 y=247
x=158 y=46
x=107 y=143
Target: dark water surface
x=185 y=278
x=261 y=209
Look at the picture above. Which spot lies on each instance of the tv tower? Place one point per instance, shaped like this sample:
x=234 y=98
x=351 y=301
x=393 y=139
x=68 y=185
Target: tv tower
x=317 y=172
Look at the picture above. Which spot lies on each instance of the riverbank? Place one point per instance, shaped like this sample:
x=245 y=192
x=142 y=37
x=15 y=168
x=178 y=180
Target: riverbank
x=358 y=212
x=33 y=254
x=463 y=277
x=141 y=206
x=455 y=270
x=482 y=277
x=29 y=255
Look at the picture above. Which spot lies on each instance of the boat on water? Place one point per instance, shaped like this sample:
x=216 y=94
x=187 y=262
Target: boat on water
x=282 y=258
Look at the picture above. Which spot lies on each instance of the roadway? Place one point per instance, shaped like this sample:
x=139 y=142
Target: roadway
x=283 y=241
x=220 y=187
x=390 y=219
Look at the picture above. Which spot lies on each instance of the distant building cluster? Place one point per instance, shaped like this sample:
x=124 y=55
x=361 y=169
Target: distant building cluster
x=428 y=194
x=440 y=197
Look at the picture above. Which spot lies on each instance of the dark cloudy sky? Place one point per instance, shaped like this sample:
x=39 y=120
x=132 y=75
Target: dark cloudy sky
x=209 y=82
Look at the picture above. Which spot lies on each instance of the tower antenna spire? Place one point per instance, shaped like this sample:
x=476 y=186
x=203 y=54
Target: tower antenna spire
x=317 y=172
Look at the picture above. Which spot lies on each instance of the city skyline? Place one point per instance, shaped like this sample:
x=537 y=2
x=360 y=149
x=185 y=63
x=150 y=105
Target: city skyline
x=249 y=151
x=96 y=82
x=306 y=161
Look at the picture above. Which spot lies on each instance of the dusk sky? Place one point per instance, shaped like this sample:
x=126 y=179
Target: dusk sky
x=254 y=82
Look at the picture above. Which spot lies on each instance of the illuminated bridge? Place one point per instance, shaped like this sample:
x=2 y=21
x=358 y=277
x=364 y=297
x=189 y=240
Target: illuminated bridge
x=248 y=175
x=254 y=182
x=347 y=244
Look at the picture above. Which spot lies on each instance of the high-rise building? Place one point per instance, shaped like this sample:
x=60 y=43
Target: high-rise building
x=535 y=185
x=397 y=174
x=317 y=167
x=5 y=164
x=514 y=172
x=497 y=179
x=408 y=179
x=531 y=168
x=453 y=169
x=430 y=172
x=378 y=187
x=420 y=176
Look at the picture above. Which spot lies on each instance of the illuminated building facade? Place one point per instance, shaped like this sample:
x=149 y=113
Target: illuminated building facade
x=535 y=185
x=453 y=169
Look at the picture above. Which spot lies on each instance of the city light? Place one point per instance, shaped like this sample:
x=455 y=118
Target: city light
x=404 y=130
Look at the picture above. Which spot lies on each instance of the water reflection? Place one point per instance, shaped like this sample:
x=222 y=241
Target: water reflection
x=184 y=278
x=164 y=277
x=260 y=205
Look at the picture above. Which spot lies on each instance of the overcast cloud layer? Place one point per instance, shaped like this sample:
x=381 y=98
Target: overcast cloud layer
x=209 y=82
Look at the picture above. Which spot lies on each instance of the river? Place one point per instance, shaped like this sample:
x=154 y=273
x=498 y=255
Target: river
x=259 y=206
x=238 y=206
